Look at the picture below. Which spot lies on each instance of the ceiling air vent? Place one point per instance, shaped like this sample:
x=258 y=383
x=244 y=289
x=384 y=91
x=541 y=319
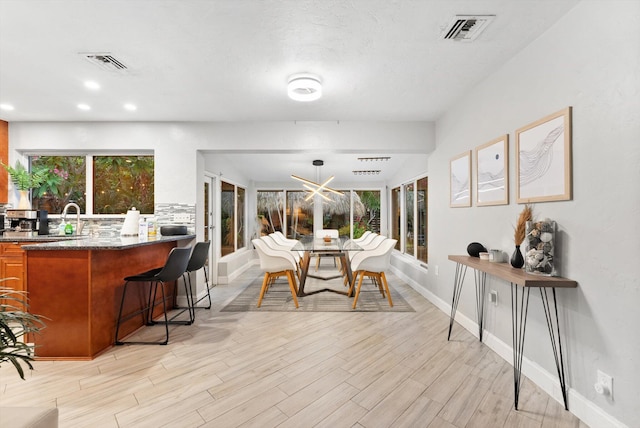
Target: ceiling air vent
x=105 y=61
x=465 y=28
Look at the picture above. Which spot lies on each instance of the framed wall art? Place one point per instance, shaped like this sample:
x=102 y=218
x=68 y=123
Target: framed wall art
x=492 y=172
x=543 y=159
x=460 y=180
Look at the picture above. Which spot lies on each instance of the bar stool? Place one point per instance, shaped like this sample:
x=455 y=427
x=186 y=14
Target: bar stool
x=173 y=269
x=196 y=262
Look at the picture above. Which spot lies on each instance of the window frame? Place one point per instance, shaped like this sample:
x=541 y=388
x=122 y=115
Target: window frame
x=400 y=191
x=236 y=217
x=352 y=191
x=89 y=155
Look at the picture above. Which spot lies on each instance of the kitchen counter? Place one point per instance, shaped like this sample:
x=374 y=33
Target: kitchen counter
x=77 y=285
x=50 y=243
x=39 y=238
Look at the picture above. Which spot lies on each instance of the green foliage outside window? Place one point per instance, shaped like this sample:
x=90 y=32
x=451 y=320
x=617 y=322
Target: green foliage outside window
x=119 y=183
x=122 y=182
x=66 y=182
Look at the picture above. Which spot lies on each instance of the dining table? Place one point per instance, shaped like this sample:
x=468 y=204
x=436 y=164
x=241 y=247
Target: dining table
x=335 y=247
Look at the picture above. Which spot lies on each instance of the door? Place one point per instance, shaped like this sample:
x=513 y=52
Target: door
x=210 y=195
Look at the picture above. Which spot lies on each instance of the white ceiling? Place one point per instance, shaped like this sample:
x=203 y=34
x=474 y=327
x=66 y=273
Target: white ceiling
x=229 y=60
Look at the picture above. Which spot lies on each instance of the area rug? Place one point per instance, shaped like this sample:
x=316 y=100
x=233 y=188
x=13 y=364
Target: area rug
x=279 y=299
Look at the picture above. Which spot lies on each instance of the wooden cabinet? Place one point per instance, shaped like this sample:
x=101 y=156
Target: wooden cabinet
x=12 y=265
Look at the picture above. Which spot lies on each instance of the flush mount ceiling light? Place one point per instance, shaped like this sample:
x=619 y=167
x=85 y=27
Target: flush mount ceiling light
x=304 y=87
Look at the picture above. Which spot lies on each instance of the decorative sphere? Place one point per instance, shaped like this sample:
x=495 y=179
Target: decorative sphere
x=475 y=248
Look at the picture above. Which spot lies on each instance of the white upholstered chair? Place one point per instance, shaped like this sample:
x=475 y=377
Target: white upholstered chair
x=276 y=263
x=372 y=263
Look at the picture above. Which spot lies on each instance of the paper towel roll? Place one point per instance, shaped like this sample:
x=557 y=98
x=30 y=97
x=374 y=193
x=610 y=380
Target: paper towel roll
x=130 y=226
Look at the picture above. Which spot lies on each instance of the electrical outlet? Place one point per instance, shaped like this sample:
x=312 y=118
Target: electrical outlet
x=181 y=218
x=604 y=384
x=437 y=270
x=493 y=297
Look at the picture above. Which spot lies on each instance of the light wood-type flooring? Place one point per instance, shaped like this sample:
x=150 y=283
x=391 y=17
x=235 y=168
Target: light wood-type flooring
x=287 y=369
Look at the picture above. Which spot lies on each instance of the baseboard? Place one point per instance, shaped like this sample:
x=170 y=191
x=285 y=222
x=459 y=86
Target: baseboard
x=236 y=273
x=587 y=411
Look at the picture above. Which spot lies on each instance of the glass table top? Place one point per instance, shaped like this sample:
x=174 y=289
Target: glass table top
x=316 y=245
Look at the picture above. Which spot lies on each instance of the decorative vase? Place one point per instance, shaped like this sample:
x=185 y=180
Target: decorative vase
x=517 y=261
x=24 y=203
x=540 y=250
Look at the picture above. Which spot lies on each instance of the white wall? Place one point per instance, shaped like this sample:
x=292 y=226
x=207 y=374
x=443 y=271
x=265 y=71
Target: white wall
x=184 y=150
x=589 y=60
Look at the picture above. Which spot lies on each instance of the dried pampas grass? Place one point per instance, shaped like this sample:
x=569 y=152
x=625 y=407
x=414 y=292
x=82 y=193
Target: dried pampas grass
x=521 y=227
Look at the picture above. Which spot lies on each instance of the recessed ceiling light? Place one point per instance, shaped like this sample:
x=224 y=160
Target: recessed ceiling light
x=90 y=84
x=7 y=107
x=304 y=87
x=84 y=107
x=130 y=107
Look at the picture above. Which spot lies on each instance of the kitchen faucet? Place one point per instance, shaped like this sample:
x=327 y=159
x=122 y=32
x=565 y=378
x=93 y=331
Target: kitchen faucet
x=64 y=216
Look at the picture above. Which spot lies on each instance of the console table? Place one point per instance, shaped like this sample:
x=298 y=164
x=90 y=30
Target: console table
x=519 y=308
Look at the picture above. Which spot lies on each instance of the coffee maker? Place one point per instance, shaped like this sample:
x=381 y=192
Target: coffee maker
x=26 y=223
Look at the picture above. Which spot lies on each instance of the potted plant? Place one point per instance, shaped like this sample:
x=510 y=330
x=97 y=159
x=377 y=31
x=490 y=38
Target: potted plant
x=25 y=180
x=15 y=324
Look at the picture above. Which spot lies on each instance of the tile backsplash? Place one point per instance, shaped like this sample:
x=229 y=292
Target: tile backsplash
x=165 y=214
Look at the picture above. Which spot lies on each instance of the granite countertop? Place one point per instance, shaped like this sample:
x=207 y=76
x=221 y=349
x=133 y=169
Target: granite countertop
x=53 y=242
x=40 y=238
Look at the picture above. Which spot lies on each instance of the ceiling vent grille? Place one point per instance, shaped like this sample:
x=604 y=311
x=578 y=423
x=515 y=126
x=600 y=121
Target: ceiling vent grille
x=105 y=61
x=465 y=28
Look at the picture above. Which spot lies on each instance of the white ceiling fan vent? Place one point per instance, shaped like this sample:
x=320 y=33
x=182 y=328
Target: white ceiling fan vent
x=105 y=61
x=465 y=28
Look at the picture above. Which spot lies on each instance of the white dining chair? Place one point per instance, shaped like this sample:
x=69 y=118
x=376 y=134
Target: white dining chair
x=273 y=243
x=276 y=263
x=279 y=236
x=367 y=245
x=372 y=263
x=362 y=237
x=321 y=234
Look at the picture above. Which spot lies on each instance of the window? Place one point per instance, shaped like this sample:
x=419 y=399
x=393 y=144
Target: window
x=232 y=219
x=409 y=234
x=299 y=214
x=336 y=212
x=369 y=219
x=67 y=182
x=270 y=206
x=240 y=192
x=409 y=221
x=122 y=182
x=98 y=184
x=396 y=216
x=362 y=208
x=421 y=221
